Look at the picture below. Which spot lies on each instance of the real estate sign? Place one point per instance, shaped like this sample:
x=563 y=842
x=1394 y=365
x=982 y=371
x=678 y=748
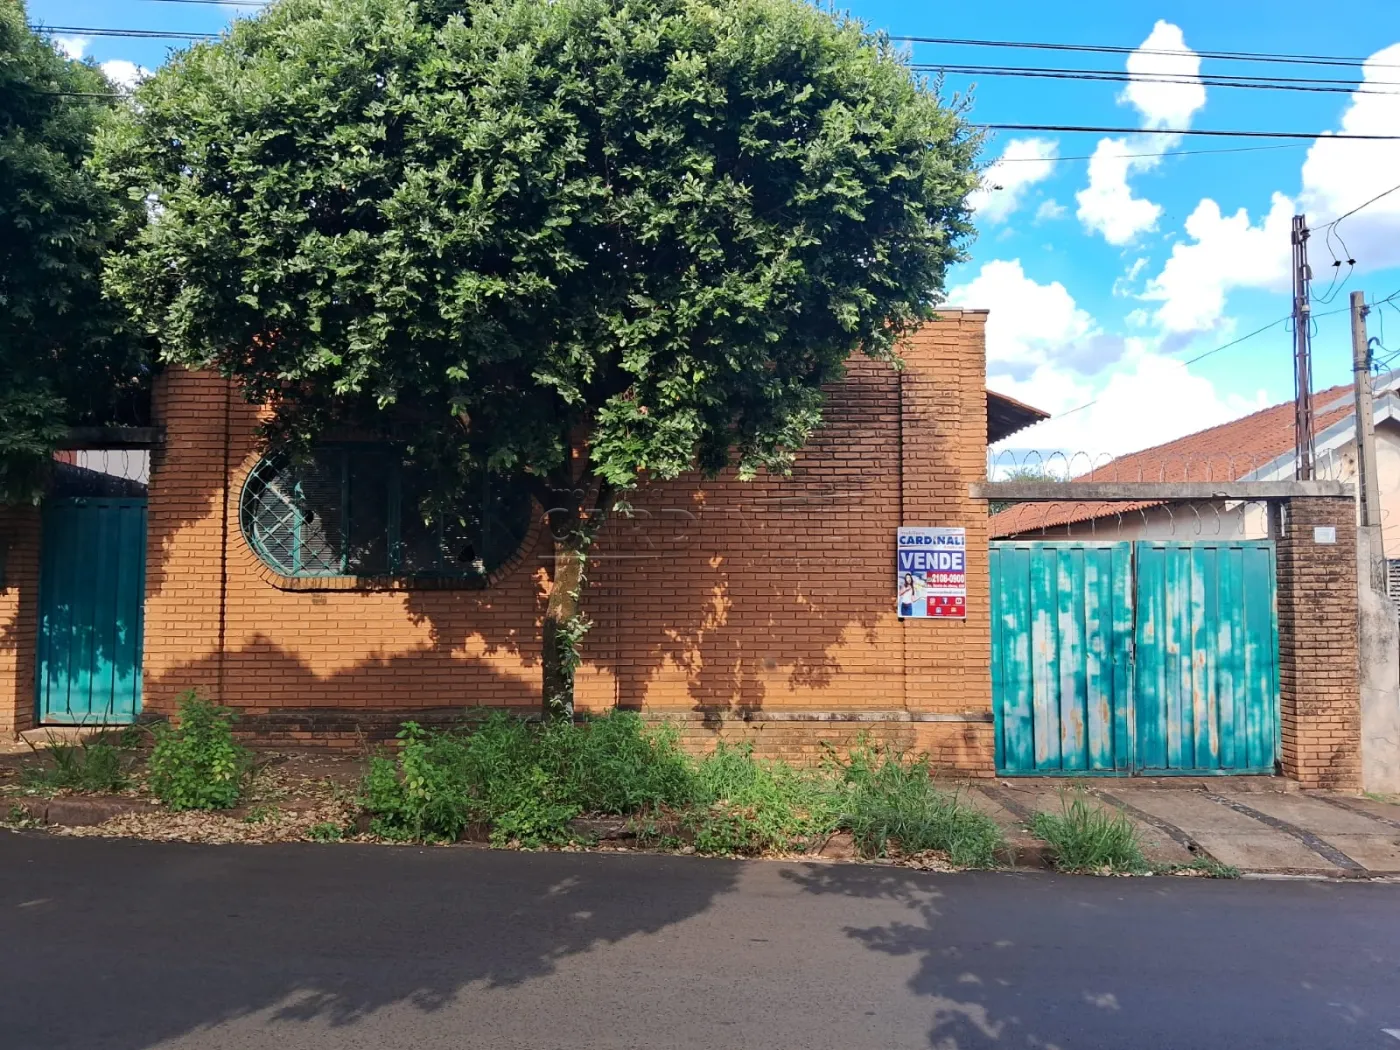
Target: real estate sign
x=931 y=573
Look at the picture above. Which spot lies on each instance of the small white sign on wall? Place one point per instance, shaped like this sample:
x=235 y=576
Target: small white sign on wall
x=1324 y=534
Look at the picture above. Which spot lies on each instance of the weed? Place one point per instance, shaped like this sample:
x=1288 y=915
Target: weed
x=423 y=795
x=1201 y=867
x=328 y=831
x=87 y=766
x=749 y=806
x=259 y=813
x=615 y=764
x=19 y=817
x=1089 y=838
x=891 y=803
x=526 y=782
x=197 y=764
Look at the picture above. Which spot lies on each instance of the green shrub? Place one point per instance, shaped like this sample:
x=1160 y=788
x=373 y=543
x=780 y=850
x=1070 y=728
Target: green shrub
x=748 y=806
x=87 y=766
x=891 y=803
x=196 y=764
x=524 y=781
x=1090 y=838
x=422 y=794
x=615 y=764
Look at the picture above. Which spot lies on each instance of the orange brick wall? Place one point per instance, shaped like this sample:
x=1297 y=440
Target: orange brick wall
x=19 y=615
x=714 y=599
x=1319 y=691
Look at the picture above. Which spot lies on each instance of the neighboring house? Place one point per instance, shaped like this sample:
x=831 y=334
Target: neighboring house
x=1258 y=447
x=311 y=597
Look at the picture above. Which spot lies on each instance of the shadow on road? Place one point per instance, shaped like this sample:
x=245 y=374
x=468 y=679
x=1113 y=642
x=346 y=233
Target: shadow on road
x=973 y=983
x=287 y=931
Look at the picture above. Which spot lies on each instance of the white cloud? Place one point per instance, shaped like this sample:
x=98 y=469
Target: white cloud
x=1165 y=105
x=1227 y=251
x=72 y=46
x=1107 y=205
x=1153 y=399
x=124 y=74
x=1030 y=324
x=1005 y=183
x=1050 y=210
x=1340 y=174
x=1123 y=286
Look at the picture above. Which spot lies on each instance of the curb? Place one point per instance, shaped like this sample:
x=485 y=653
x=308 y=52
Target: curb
x=80 y=812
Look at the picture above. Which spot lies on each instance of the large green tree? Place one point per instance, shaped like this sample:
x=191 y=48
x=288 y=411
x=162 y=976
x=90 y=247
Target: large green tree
x=582 y=243
x=66 y=355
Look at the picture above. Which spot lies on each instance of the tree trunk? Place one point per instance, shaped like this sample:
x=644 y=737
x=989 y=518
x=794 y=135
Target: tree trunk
x=564 y=624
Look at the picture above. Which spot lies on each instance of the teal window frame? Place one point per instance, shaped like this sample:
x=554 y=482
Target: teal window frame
x=295 y=538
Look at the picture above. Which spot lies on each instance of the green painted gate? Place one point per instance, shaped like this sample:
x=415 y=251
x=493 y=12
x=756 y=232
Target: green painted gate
x=91 y=587
x=1147 y=657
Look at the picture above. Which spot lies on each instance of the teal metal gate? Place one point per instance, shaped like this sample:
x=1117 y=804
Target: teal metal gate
x=1147 y=657
x=91 y=589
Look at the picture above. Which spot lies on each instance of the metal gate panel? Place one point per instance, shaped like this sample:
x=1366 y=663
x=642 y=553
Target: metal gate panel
x=1206 y=669
x=91 y=589
x=1061 y=642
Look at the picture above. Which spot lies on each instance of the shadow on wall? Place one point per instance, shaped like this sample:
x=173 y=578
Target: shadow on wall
x=710 y=595
x=278 y=935
x=286 y=681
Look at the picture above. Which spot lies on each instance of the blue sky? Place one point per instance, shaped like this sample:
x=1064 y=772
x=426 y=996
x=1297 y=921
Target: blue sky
x=1104 y=276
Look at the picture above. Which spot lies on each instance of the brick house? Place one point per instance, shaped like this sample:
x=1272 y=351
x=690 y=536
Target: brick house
x=761 y=611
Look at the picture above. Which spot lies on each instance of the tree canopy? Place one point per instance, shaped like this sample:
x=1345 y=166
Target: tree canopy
x=579 y=242
x=66 y=355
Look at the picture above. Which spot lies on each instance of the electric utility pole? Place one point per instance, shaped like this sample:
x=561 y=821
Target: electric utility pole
x=1302 y=351
x=1377 y=633
x=1368 y=489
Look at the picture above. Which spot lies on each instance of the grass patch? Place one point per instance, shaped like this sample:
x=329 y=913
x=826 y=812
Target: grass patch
x=1200 y=867
x=892 y=804
x=1087 y=838
x=524 y=783
x=102 y=764
x=746 y=805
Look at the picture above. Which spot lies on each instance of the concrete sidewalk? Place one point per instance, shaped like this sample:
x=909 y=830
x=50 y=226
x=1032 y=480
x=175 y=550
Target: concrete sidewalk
x=1261 y=825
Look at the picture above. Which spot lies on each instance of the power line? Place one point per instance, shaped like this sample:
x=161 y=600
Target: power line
x=143 y=34
x=1114 y=77
x=1096 y=130
x=1353 y=211
x=1109 y=49
x=1134 y=156
x=1192 y=361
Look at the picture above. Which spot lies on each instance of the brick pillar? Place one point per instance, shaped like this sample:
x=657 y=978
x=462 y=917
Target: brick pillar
x=19 y=617
x=186 y=500
x=943 y=451
x=1319 y=698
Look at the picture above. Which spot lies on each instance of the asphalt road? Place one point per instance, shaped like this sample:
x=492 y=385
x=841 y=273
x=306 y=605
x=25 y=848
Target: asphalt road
x=117 y=945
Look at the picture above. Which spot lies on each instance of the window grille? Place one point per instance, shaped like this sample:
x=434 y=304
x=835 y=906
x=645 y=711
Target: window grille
x=357 y=510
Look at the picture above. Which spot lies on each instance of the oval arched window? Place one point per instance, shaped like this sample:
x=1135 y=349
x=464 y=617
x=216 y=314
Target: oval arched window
x=356 y=510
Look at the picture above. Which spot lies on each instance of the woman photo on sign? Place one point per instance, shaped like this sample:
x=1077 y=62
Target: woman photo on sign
x=908 y=595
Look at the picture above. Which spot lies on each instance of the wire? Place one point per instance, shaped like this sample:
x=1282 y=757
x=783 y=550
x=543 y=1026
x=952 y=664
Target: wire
x=1192 y=361
x=143 y=34
x=1172 y=78
x=1111 y=77
x=1347 y=215
x=1185 y=131
x=1107 y=49
x=1131 y=156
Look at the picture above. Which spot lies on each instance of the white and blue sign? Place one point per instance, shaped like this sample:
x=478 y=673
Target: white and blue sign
x=931 y=573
